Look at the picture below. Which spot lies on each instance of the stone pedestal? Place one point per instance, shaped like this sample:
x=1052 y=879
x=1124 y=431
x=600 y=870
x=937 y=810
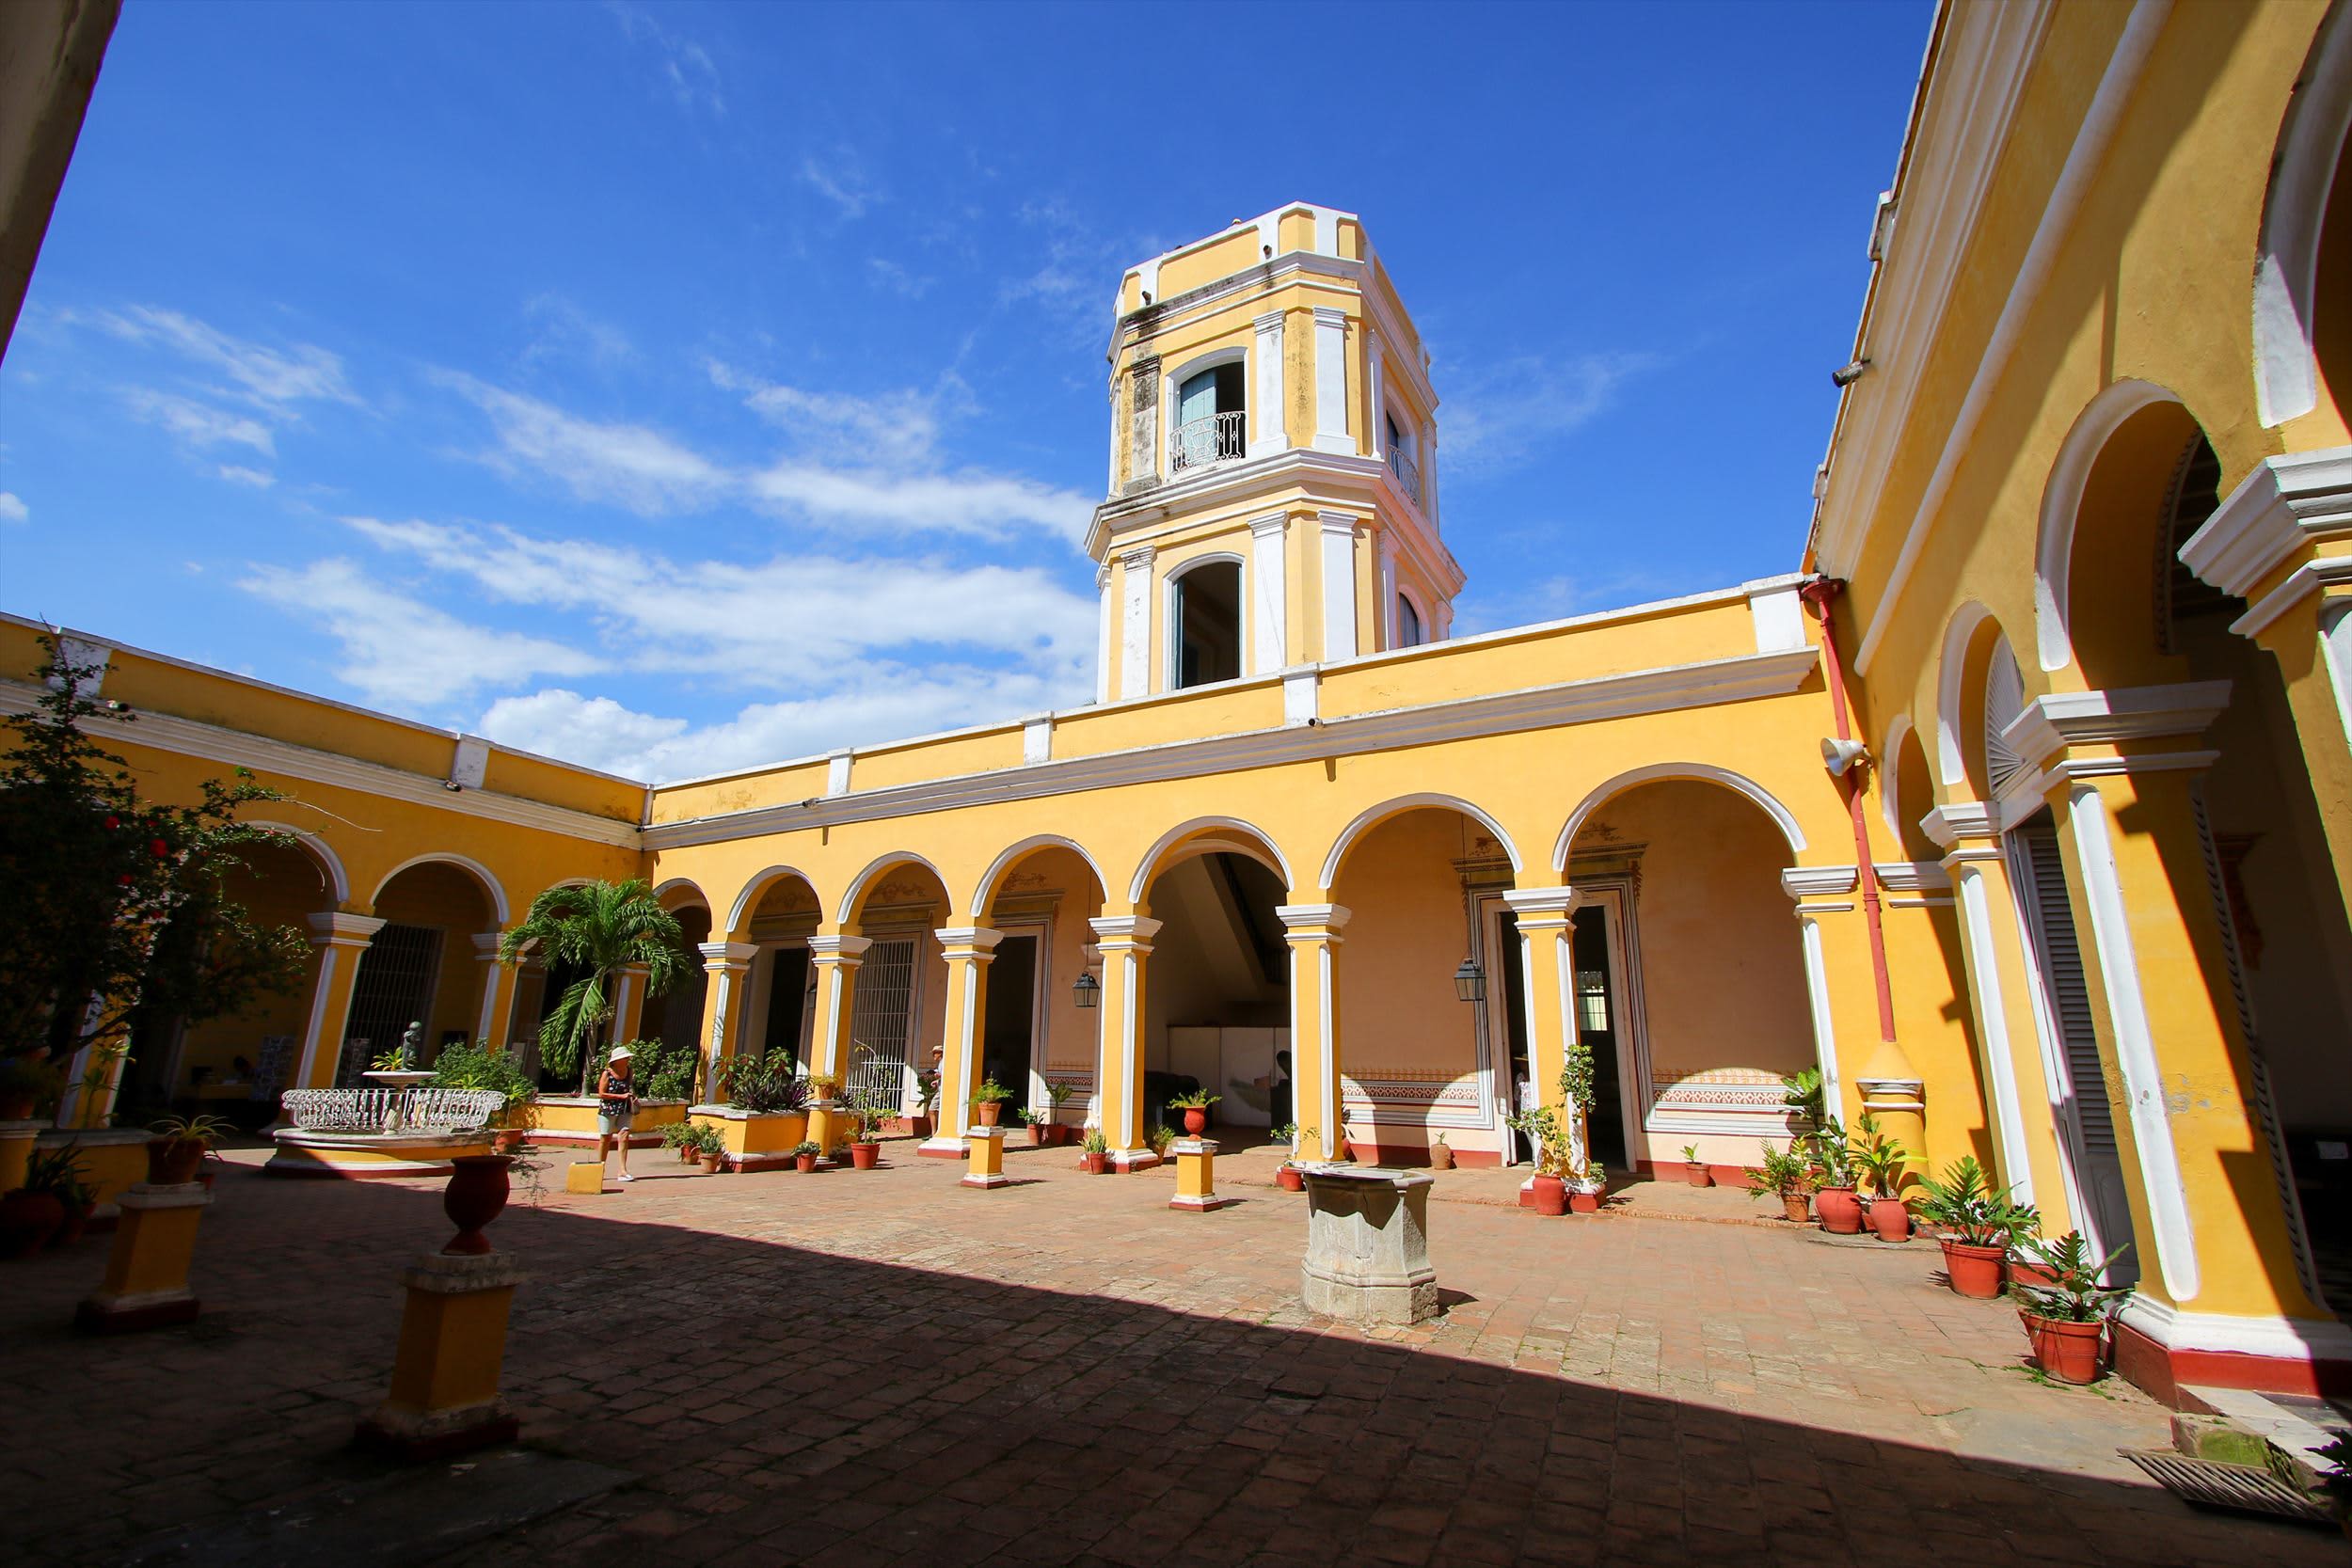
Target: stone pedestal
x=584 y=1176
x=830 y=1125
x=444 y=1397
x=986 y=1164
x=1368 y=1244
x=146 y=1284
x=1196 y=1176
x=16 y=1150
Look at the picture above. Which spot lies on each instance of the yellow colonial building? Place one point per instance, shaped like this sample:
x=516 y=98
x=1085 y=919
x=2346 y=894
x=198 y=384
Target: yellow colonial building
x=2083 y=540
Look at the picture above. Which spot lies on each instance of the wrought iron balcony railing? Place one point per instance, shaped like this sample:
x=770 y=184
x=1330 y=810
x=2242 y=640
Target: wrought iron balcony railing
x=1408 y=473
x=1211 y=438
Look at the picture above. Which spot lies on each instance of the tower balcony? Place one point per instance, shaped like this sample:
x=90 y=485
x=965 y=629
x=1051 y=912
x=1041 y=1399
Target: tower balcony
x=1211 y=438
x=1407 y=474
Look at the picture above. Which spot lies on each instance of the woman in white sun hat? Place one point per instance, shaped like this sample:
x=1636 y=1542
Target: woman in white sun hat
x=617 y=1101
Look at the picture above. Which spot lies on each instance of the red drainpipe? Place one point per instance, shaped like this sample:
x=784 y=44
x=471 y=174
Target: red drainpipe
x=1818 y=595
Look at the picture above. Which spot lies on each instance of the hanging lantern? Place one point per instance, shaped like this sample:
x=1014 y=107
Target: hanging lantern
x=1086 y=991
x=1469 y=981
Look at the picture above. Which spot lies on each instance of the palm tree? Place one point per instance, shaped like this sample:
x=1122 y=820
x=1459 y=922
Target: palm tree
x=602 y=928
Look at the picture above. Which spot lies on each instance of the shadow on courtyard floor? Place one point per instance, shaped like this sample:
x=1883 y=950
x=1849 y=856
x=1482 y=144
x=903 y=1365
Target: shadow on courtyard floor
x=770 y=1403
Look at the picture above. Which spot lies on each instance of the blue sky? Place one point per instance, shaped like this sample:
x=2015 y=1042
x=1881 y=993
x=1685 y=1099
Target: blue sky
x=674 y=389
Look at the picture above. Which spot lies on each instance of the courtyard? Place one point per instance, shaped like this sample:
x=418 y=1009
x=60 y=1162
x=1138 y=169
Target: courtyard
x=874 y=1368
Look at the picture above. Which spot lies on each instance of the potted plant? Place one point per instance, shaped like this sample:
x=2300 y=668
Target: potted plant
x=926 y=1095
x=175 y=1155
x=37 y=1212
x=1037 y=1122
x=869 y=1111
x=824 y=1087
x=988 y=1101
x=1094 y=1152
x=1057 y=1130
x=1440 y=1154
x=763 y=1085
x=1550 y=1185
x=1588 y=1184
x=1158 y=1138
x=1879 y=1160
x=1287 y=1175
x=1196 y=1108
x=483 y=1065
x=685 y=1138
x=805 y=1155
x=27 y=1084
x=1977 y=1224
x=1831 y=1160
x=710 y=1147
x=1782 y=1175
x=1694 y=1169
x=2069 y=1321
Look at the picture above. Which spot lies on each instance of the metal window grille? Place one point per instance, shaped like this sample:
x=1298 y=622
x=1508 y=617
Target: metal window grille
x=393 y=990
x=882 y=1019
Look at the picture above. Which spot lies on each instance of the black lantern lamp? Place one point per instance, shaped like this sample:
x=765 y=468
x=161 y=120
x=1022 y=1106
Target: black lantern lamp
x=1469 y=981
x=1086 y=991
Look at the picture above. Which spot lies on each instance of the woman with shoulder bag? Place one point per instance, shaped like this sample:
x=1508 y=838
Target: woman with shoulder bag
x=616 y=1102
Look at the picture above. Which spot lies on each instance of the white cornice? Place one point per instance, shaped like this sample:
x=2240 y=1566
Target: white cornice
x=2283 y=505
x=1684 y=686
x=165 y=731
x=2329 y=571
x=1819 y=882
x=2050 y=725
x=1912 y=876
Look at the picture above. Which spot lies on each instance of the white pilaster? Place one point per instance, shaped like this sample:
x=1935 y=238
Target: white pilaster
x=1331 y=381
x=1388 y=592
x=1269 y=593
x=1135 y=622
x=1104 y=616
x=1376 y=377
x=1269 y=408
x=837 y=771
x=1338 y=532
x=1991 y=1015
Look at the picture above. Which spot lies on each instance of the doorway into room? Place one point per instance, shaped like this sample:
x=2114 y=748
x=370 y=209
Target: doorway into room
x=1009 y=1028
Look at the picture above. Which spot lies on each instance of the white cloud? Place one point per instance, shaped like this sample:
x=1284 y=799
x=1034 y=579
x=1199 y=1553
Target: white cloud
x=1515 y=411
x=562 y=331
x=400 y=651
x=842 y=182
x=199 y=425
x=266 y=376
x=621 y=465
x=687 y=69
x=254 y=477
x=975 y=503
x=890 y=276
x=891 y=427
x=13 y=510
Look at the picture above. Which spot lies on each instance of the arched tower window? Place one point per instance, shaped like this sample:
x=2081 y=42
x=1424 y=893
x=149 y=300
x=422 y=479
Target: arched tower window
x=1212 y=416
x=1409 y=632
x=1205 y=616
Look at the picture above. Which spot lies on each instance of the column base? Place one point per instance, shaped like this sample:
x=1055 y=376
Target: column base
x=991 y=1179
x=1201 y=1205
x=2163 y=1351
x=1133 y=1159
x=942 y=1147
x=422 y=1435
x=109 y=1312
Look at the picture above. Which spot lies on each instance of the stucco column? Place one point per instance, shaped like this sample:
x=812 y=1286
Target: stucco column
x=969 y=950
x=1134 y=621
x=1547 y=918
x=725 y=964
x=1820 y=890
x=2015 y=1061
x=629 y=1001
x=1313 y=931
x=837 y=957
x=341 y=941
x=1126 y=942
x=499 y=984
x=1337 y=534
x=1269 y=593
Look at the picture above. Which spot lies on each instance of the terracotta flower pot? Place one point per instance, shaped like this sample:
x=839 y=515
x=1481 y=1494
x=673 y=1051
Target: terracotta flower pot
x=2025 y=1272
x=27 y=1221
x=77 y=1216
x=1287 y=1177
x=1440 y=1156
x=687 y=1154
x=919 y=1126
x=711 y=1162
x=988 y=1111
x=1974 y=1271
x=1890 y=1220
x=1796 y=1206
x=476 y=1195
x=1551 y=1195
x=1840 y=1211
x=1093 y=1164
x=862 y=1156
x=174 y=1162
x=1584 y=1203
x=1038 y=1134
x=1696 y=1173
x=2066 y=1351
x=1196 y=1120
x=804 y=1163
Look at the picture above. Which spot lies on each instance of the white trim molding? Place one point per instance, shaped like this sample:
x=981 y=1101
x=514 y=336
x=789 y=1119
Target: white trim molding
x=1989 y=1011
x=2282 y=505
x=1269 y=592
x=1372 y=817
x=1135 y=620
x=1782 y=816
x=2061 y=506
x=2051 y=723
x=2286 y=277
x=491 y=888
x=2311 y=579
x=1268 y=408
x=1338 y=531
x=2228 y=1334
x=1331 y=381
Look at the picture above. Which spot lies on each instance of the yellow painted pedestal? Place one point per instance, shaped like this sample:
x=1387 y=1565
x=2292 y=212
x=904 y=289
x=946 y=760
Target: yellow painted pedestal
x=1196 y=1176
x=986 y=1158
x=16 y=1151
x=829 y=1126
x=584 y=1176
x=147 y=1275
x=444 y=1398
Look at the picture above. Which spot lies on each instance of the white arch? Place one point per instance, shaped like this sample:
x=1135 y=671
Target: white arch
x=1366 y=820
x=2061 y=505
x=481 y=873
x=1738 y=782
x=2294 y=214
x=876 y=867
x=338 y=880
x=1266 y=845
x=1035 y=841
x=759 y=885
x=1890 y=755
x=1951 y=754
x=687 y=882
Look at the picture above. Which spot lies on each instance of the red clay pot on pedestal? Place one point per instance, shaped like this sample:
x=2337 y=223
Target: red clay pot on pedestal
x=2067 y=1352
x=988 y=1110
x=174 y=1162
x=1890 y=1221
x=804 y=1163
x=1795 y=1205
x=1551 y=1195
x=1584 y=1203
x=1289 y=1180
x=1196 y=1120
x=27 y=1221
x=475 y=1195
x=862 y=1156
x=1697 y=1173
x=1840 y=1211
x=1974 y=1271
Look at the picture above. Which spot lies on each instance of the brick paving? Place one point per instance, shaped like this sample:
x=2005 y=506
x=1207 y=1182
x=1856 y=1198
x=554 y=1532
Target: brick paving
x=881 y=1368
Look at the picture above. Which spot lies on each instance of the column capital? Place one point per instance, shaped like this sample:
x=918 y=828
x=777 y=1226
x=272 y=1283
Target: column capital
x=1344 y=524
x=644 y=971
x=1314 y=922
x=1541 y=907
x=485 y=945
x=337 y=930
x=1270 y=526
x=2121 y=715
x=1270 y=322
x=974 y=943
x=1958 y=822
x=1125 y=933
x=1137 y=557
x=845 y=951
x=1812 y=886
x=727 y=956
